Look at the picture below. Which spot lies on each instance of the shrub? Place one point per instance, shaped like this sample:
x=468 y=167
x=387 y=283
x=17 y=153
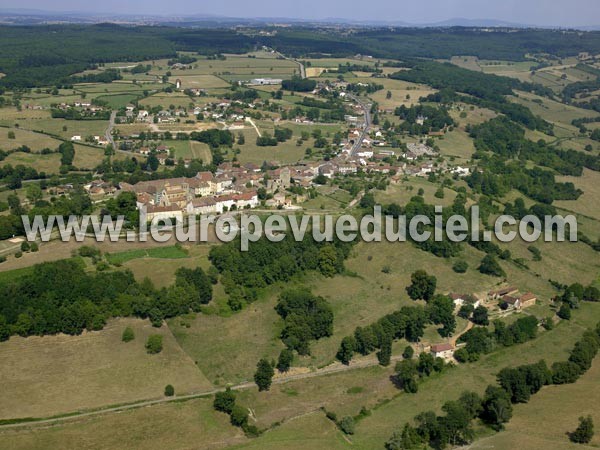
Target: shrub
x=128 y=335
x=18 y=254
x=224 y=401
x=239 y=416
x=347 y=425
x=154 y=344
x=584 y=432
x=564 y=312
x=169 y=390
x=460 y=266
x=264 y=375
x=34 y=247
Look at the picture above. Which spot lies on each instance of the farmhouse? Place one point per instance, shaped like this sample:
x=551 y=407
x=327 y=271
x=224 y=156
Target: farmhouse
x=528 y=299
x=499 y=293
x=445 y=351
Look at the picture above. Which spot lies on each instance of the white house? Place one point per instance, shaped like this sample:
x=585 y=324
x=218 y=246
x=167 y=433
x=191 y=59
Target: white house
x=444 y=351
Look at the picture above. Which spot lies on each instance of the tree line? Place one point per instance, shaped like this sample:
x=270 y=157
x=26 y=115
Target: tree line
x=514 y=385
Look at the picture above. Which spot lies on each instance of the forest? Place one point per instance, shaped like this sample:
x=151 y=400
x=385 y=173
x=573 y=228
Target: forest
x=44 y=55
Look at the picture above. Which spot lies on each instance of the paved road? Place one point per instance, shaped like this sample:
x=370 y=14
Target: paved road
x=111 y=125
x=366 y=107
x=300 y=65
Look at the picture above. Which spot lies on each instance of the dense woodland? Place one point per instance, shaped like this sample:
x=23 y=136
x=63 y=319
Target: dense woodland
x=60 y=297
x=63 y=50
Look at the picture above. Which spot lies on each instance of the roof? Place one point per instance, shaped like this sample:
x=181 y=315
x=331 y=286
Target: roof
x=437 y=348
x=510 y=299
x=504 y=290
x=203 y=201
x=159 y=209
x=528 y=296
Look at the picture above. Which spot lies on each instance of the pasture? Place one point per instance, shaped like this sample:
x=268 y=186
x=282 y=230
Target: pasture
x=536 y=424
x=44 y=376
x=198 y=426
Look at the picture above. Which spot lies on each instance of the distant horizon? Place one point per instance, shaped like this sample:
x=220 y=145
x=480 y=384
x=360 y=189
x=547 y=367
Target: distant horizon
x=533 y=13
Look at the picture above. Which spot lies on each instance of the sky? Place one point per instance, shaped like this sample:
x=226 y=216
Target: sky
x=530 y=12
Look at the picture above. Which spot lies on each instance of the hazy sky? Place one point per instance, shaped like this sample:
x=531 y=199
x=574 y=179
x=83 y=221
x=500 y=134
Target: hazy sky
x=537 y=12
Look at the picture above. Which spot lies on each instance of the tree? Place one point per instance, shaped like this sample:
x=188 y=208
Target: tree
x=489 y=266
x=441 y=311
x=263 y=376
x=153 y=162
x=347 y=425
x=584 y=432
x=239 y=416
x=422 y=285
x=426 y=364
x=564 y=312
x=406 y=374
x=460 y=266
x=34 y=193
x=497 y=408
x=224 y=401
x=328 y=261
x=408 y=352
x=466 y=310
x=67 y=151
x=408 y=439
x=169 y=390
x=198 y=279
x=480 y=316
x=384 y=355
x=154 y=344
x=128 y=335
x=285 y=360
x=346 y=350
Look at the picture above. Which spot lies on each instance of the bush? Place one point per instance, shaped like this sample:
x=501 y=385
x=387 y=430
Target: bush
x=18 y=254
x=584 y=432
x=34 y=247
x=239 y=416
x=154 y=344
x=264 y=375
x=460 y=266
x=224 y=401
x=564 y=312
x=128 y=335
x=408 y=352
x=2 y=259
x=347 y=425
x=285 y=360
x=169 y=390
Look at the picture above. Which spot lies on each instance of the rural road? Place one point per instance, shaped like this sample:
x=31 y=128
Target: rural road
x=111 y=124
x=300 y=65
x=249 y=120
x=331 y=369
x=336 y=367
x=367 y=125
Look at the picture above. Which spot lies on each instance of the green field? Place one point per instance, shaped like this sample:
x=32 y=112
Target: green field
x=158 y=252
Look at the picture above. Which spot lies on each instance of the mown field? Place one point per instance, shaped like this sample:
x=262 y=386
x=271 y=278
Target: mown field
x=45 y=376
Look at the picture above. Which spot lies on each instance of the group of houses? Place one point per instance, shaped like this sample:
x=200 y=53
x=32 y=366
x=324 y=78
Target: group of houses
x=511 y=298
